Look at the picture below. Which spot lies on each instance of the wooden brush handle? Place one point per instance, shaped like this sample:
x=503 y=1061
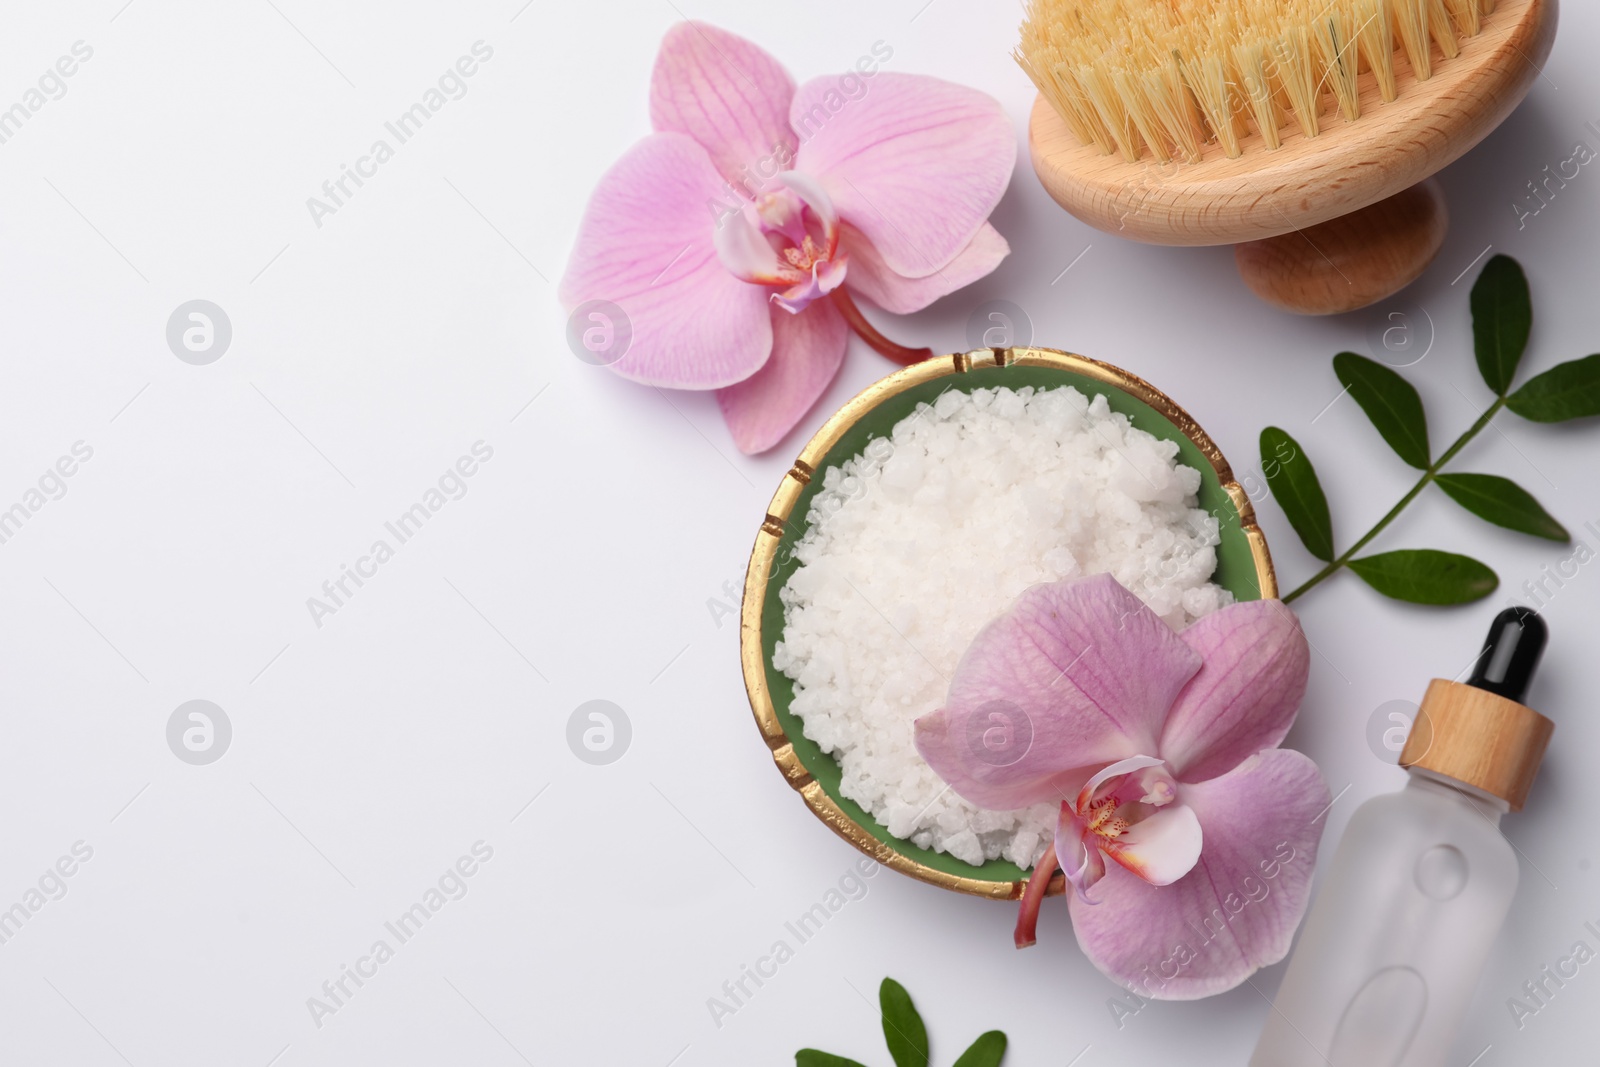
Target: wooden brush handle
x=1351 y=261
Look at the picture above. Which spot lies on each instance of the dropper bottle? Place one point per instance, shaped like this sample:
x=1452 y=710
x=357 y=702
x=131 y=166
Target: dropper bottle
x=1422 y=881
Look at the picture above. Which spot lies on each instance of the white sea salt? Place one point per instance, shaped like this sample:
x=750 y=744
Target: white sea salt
x=917 y=542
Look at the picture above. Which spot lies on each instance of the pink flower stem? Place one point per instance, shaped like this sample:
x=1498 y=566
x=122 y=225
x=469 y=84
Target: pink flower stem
x=1033 y=896
x=868 y=333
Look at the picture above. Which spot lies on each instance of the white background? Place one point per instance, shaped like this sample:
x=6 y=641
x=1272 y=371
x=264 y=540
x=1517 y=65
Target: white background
x=369 y=753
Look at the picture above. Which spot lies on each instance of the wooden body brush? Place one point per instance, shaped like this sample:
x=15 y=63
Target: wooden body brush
x=1302 y=131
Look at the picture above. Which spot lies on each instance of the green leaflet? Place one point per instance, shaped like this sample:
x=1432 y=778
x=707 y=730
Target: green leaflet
x=1566 y=391
x=1294 y=483
x=907 y=1037
x=1502 y=317
x=987 y=1051
x=1502 y=502
x=810 y=1057
x=1426 y=576
x=1390 y=402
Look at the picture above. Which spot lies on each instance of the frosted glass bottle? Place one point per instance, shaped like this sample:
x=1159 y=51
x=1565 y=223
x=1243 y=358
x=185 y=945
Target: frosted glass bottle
x=1402 y=927
x=1420 y=885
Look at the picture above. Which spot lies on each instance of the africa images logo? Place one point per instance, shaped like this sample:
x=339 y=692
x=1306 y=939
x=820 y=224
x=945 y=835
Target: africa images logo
x=451 y=485
x=451 y=85
x=452 y=884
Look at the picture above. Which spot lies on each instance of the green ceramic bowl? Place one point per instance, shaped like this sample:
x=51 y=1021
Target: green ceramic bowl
x=1243 y=567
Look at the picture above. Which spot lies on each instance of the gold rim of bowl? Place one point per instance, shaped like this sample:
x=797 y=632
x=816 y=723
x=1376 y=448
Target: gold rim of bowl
x=799 y=475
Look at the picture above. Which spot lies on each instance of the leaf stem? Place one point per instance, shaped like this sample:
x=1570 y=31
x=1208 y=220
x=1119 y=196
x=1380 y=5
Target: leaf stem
x=1422 y=483
x=869 y=333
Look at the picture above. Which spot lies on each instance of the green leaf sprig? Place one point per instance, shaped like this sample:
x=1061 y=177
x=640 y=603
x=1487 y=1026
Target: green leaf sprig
x=1502 y=318
x=907 y=1037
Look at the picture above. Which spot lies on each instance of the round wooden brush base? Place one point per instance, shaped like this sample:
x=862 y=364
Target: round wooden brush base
x=1351 y=261
x=1328 y=223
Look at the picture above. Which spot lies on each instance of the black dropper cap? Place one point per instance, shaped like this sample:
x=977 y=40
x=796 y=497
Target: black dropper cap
x=1510 y=653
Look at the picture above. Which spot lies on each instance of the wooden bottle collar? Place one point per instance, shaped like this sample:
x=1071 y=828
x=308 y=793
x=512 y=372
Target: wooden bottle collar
x=1479 y=738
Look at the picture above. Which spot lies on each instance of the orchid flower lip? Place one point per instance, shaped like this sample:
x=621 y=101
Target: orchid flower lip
x=1129 y=811
x=1077 y=877
x=787 y=239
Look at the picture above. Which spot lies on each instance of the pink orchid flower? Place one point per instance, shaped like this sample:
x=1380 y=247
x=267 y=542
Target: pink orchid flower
x=733 y=236
x=1162 y=751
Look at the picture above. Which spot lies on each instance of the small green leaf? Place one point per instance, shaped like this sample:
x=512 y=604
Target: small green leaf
x=810 y=1057
x=1390 y=402
x=1566 y=391
x=1502 y=316
x=1502 y=502
x=987 y=1051
x=1426 y=576
x=1294 y=483
x=902 y=1026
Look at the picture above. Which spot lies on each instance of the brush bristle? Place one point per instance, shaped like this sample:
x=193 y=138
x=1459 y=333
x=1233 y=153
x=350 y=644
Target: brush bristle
x=1165 y=77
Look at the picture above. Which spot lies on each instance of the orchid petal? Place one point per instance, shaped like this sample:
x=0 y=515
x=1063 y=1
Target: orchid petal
x=645 y=246
x=730 y=96
x=807 y=350
x=1237 y=910
x=872 y=278
x=916 y=163
x=1245 y=697
x=1079 y=670
x=944 y=739
x=830 y=273
x=1110 y=771
x=826 y=276
x=782 y=214
x=745 y=251
x=1161 y=847
x=815 y=285
x=814 y=196
x=1087 y=865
